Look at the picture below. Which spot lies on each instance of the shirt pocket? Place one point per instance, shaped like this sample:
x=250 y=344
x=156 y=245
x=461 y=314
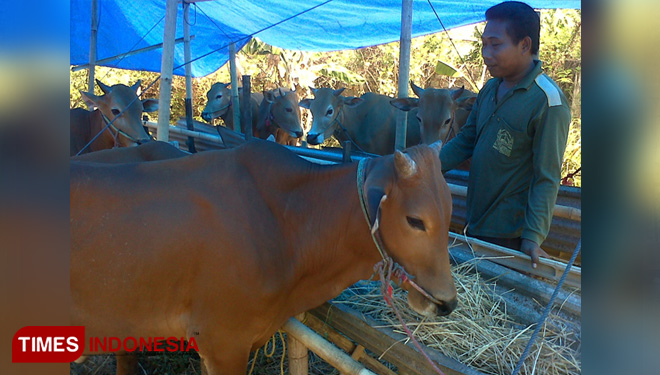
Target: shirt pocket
x=511 y=143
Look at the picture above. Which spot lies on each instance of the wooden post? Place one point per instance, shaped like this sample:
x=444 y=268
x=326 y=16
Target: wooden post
x=92 y=45
x=298 y=360
x=246 y=109
x=330 y=353
x=404 y=71
x=346 y=154
x=190 y=142
x=166 y=67
x=234 y=87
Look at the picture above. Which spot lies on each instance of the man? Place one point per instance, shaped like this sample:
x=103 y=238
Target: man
x=516 y=136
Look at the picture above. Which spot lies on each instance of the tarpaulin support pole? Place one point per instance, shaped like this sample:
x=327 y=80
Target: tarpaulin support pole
x=234 y=87
x=92 y=45
x=404 y=72
x=166 y=67
x=189 y=91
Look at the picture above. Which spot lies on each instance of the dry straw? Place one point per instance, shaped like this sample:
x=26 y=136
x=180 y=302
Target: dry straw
x=479 y=333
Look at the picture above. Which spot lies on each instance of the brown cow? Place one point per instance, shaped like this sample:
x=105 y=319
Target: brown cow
x=369 y=121
x=157 y=252
x=219 y=104
x=150 y=151
x=279 y=115
x=126 y=130
x=441 y=112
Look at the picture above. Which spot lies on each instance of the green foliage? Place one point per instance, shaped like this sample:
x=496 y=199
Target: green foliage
x=435 y=62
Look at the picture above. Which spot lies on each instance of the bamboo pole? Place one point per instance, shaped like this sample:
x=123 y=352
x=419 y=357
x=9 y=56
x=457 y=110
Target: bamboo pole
x=246 y=109
x=234 y=87
x=330 y=353
x=190 y=142
x=127 y=54
x=565 y=212
x=404 y=72
x=298 y=359
x=166 y=67
x=93 y=45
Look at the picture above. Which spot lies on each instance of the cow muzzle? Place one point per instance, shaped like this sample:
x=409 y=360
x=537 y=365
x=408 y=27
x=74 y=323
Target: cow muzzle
x=315 y=138
x=433 y=306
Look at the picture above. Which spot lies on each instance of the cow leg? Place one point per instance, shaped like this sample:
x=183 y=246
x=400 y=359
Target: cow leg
x=231 y=362
x=127 y=363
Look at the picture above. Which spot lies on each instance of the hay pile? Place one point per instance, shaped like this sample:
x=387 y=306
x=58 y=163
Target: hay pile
x=479 y=333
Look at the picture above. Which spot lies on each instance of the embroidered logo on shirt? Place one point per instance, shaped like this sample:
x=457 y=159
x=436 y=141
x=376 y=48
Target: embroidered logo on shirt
x=504 y=142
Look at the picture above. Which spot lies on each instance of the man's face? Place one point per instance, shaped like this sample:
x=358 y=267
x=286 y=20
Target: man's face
x=502 y=57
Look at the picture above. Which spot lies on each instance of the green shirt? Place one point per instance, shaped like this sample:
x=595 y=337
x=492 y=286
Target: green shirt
x=517 y=146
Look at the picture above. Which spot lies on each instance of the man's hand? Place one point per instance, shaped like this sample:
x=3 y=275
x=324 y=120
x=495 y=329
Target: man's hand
x=530 y=248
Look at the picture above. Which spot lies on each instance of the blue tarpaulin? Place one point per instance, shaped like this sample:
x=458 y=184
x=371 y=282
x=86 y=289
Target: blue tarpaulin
x=127 y=25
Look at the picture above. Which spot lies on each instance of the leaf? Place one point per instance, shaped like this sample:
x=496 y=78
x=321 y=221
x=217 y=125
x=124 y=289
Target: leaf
x=445 y=69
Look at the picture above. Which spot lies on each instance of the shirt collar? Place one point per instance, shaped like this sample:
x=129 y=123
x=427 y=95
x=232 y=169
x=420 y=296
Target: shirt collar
x=528 y=80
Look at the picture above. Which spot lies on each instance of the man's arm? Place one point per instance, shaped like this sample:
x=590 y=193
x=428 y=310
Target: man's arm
x=551 y=133
x=460 y=147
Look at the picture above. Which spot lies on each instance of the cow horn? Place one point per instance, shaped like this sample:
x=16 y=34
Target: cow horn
x=105 y=88
x=416 y=89
x=338 y=91
x=280 y=91
x=405 y=166
x=436 y=146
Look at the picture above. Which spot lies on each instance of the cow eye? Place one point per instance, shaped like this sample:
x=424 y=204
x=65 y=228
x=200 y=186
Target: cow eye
x=329 y=112
x=219 y=96
x=115 y=111
x=419 y=119
x=447 y=121
x=289 y=110
x=416 y=223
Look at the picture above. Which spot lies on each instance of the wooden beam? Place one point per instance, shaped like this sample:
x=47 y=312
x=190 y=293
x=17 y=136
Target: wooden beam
x=523 y=284
x=345 y=344
x=361 y=330
x=93 y=45
x=330 y=353
x=246 y=109
x=547 y=268
x=298 y=358
x=190 y=142
x=234 y=87
x=565 y=212
x=127 y=54
x=166 y=67
x=404 y=72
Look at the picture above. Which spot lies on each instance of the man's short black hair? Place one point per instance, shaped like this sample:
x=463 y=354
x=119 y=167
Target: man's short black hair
x=521 y=21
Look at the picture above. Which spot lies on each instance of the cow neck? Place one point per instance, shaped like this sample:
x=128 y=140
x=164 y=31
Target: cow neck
x=342 y=252
x=98 y=125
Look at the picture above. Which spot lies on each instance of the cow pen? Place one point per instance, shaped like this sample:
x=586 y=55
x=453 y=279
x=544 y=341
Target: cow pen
x=353 y=341
x=378 y=346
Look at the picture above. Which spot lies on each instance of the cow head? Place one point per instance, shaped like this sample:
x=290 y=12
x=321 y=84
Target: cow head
x=284 y=111
x=121 y=104
x=410 y=198
x=326 y=107
x=218 y=100
x=437 y=109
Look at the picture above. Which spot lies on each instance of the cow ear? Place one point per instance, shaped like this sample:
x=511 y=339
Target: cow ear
x=375 y=196
x=352 y=101
x=416 y=89
x=305 y=103
x=269 y=97
x=455 y=94
x=150 y=105
x=468 y=103
x=405 y=104
x=90 y=100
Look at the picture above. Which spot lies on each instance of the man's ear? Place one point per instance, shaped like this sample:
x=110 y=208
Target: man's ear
x=526 y=45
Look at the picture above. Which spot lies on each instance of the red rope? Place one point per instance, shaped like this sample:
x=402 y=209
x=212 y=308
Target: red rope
x=398 y=272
